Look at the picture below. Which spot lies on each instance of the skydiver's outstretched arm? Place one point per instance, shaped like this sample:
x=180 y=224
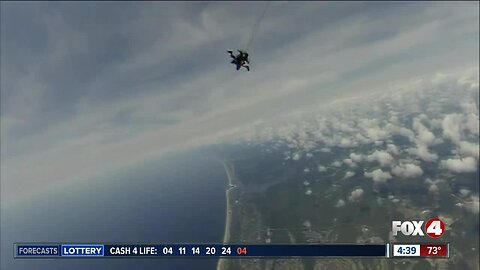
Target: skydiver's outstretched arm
x=231 y=54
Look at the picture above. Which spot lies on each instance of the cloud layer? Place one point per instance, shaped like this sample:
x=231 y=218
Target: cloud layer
x=394 y=133
x=92 y=87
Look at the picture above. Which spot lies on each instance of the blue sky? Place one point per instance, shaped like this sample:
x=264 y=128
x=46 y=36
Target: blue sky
x=89 y=87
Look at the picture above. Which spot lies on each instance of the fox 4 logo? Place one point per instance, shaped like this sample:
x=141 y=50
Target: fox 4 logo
x=433 y=227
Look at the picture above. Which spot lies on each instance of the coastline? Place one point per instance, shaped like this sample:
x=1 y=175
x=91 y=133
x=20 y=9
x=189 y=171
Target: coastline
x=222 y=263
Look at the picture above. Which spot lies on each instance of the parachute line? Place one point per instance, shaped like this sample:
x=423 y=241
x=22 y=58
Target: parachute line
x=256 y=26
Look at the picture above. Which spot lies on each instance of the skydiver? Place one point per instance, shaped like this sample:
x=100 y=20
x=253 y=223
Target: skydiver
x=240 y=60
x=240 y=64
x=244 y=56
x=231 y=54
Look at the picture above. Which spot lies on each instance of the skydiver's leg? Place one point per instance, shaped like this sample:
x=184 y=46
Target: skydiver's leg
x=247 y=67
x=238 y=66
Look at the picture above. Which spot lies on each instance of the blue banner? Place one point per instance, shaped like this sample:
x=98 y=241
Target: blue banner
x=200 y=250
x=82 y=250
x=37 y=250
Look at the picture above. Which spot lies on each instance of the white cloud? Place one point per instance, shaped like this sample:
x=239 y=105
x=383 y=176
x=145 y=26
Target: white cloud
x=362 y=139
x=464 y=192
x=378 y=143
x=471 y=123
x=382 y=157
x=371 y=129
x=325 y=150
x=356 y=157
x=431 y=182
x=424 y=135
x=356 y=195
x=462 y=165
x=473 y=205
x=406 y=132
x=400 y=130
x=452 y=129
x=348 y=175
x=407 y=170
x=322 y=168
x=470 y=107
x=468 y=149
x=433 y=185
x=423 y=152
x=347 y=142
x=392 y=149
x=423 y=140
x=340 y=203
x=375 y=133
x=471 y=114
x=349 y=162
x=378 y=175
x=337 y=163
x=433 y=189
x=456 y=126
x=307 y=224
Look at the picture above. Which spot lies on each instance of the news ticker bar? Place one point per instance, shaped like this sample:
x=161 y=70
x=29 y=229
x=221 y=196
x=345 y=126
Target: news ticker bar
x=29 y=250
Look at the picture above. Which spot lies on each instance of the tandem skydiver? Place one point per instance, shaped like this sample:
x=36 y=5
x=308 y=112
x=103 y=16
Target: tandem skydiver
x=240 y=60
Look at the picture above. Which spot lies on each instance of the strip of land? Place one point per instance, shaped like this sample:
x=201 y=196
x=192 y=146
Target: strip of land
x=229 y=169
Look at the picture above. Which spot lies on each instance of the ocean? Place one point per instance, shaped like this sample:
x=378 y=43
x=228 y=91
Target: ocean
x=174 y=199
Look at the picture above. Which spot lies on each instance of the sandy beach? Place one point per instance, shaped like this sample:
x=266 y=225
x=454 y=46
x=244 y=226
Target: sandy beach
x=222 y=262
